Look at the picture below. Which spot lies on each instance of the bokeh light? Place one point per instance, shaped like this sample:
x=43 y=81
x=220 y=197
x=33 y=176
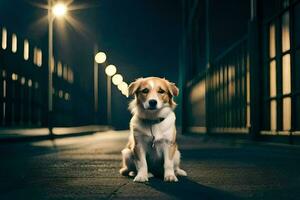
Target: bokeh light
x=117 y=79
x=100 y=57
x=110 y=70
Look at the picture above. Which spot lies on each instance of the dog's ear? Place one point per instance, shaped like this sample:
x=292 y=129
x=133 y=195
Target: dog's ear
x=174 y=91
x=134 y=86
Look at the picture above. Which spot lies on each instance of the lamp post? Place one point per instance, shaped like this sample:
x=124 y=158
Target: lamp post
x=117 y=79
x=100 y=58
x=112 y=77
x=57 y=10
x=110 y=70
x=123 y=87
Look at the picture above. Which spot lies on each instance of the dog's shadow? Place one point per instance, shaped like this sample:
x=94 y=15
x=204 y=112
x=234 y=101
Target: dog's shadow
x=188 y=189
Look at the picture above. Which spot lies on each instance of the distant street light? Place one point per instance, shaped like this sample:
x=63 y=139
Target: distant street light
x=110 y=70
x=57 y=10
x=123 y=86
x=117 y=79
x=100 y=57
x=125 y=92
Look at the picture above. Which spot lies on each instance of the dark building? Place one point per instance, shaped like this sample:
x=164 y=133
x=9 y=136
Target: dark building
x=240 y=67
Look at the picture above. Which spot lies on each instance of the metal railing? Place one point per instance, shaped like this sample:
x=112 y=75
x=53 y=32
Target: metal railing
x=228 y=87
x=224 y=90
x=23 y=86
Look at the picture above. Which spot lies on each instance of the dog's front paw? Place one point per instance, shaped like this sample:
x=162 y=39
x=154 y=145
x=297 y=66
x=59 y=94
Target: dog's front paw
x=170 y=178
x=180 y=172
x=124 y=171
x=141 y=178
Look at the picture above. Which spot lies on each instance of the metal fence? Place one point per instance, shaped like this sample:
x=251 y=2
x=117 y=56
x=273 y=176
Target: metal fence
x=24 y=85
x=272 y=48
x=228 y=90
x=220 y=98
x=281 y=60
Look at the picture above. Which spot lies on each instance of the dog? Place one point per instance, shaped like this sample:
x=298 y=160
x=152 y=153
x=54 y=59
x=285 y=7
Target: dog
x=152 y=148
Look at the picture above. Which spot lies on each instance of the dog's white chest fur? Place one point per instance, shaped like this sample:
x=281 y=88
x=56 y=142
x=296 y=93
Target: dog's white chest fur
x=162 y=131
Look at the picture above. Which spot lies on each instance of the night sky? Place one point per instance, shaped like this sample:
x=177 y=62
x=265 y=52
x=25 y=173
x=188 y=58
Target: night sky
x=140 y=37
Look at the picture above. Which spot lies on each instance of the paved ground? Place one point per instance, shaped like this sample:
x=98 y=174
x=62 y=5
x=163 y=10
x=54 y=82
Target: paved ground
x=87 y=167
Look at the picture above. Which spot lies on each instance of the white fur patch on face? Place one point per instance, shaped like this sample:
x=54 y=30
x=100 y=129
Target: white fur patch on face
x=153 y=96
x=152 y=85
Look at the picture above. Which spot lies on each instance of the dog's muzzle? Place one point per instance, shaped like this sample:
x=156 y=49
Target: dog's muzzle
x=152 y=104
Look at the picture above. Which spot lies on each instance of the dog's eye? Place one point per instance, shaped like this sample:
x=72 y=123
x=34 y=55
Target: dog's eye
x=161 y=91
x=145 y=91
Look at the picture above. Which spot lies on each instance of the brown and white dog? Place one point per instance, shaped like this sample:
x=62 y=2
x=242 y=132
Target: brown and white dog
x=152 y=147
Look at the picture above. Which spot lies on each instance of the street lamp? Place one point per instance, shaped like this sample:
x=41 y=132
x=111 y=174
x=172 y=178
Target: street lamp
x=117 y=79
x=125 y=92
x=56 y=10
x=59 y=9
x=110 y=70
x=99 y=58
x=123 y=87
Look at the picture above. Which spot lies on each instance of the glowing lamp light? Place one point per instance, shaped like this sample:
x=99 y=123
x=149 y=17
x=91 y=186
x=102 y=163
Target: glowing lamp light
x=23 y=80
x=125 y=92
x=29 y=83
x=110 y=70
x=123 y=86
x=117 y=79
x=14 y=76
x=100 y=57
x=59 y=9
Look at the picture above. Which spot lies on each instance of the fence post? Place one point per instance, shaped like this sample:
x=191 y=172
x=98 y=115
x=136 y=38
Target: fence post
x=255 y=71
x=208 y=63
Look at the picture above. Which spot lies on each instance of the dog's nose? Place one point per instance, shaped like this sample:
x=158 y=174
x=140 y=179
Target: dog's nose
x=152 y=103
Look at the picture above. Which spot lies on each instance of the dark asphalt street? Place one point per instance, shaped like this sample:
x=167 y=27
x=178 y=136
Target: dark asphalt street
x=87 y=167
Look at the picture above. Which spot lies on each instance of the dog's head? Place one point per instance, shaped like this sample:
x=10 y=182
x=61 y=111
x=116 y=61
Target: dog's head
x=153 y=93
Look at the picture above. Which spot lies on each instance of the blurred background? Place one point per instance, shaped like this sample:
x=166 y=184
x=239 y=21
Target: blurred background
x=65 y=67
x=236 y=62
x=140 y=38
